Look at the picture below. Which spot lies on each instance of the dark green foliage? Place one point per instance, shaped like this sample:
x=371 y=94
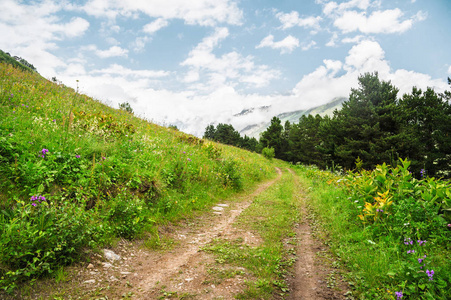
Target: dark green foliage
x=226 y=134
x=272 y=137
x=17 y=62
x=374 y=126
x=126 y=107
x=426 y=132
x=126 y=215
x=35 y=239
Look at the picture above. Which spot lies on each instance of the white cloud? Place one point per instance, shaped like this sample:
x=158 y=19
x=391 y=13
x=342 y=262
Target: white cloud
x=156 y=25
x=332 y=7
x=308 y=46
x=387 y=21
x=32 y=31
x=323 y=84
x=287 y=45
x=118 y=70
x=229 y=69
x=113 y=51
x=292 y=19
x=140 y=43
x=353 y=40
x=333 y=40
x=449 y=70
x=201 y=12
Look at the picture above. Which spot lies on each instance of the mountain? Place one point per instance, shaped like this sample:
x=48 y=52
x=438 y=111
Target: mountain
x=254 y=130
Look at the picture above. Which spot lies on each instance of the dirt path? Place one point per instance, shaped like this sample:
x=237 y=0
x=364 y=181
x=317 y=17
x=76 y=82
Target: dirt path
x=185 y=271
x=314 y=278
x=179 y=273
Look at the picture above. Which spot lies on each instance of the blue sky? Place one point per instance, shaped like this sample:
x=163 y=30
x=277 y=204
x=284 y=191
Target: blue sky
x=197 y=62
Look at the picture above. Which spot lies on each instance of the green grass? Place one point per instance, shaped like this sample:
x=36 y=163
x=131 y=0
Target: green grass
x=115 y=175
x=374 y=254
x=271 y=217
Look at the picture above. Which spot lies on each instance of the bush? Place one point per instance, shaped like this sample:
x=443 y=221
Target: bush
x=126 y=215
x=38 y=236
x=268 y=153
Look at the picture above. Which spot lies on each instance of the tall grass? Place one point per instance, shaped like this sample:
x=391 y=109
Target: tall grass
x=123 y=175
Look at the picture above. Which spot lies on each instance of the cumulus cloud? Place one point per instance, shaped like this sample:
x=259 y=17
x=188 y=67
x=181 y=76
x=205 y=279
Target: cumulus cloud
x=387 y=21
x=332 y=7
x=228 y=69
x=353 y=40
x=114 y=51
x=156 y=25
x=292 y=19
x=287 y=45
x=201 y=12
x=308 y=46
x=118 y=70
x=32 y=31
x=335 y=78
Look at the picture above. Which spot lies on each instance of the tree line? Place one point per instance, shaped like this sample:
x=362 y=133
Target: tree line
x=373 y=127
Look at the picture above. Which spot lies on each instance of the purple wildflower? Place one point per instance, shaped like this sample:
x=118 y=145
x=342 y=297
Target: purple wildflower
x=398 y=295
x=77 y=156
x=410 y=251
x=430 y=274
x=34 y=204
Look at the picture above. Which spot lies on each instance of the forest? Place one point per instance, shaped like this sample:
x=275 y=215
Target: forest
x=374 y=126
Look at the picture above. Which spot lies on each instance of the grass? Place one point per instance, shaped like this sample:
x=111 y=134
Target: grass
x=271 y=216
x=113 y=174
x=376 y=260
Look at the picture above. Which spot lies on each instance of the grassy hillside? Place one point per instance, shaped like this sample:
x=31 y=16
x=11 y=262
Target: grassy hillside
x=75 y=173
x=7 y=59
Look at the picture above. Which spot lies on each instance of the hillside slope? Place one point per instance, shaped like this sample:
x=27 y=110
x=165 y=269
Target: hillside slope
x=75 y=173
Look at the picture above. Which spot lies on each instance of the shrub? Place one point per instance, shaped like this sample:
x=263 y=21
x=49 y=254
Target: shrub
x=268 y=153
x=38 y=236
x=126 y=215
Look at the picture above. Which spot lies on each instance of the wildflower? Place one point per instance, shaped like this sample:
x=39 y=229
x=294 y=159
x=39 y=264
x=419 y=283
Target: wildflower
x=44 y=151
x=53 y=120
x=421 y=242
x=34 y=204
x=422 y=173
x=449 y=225
x=430 y=274
x=398 y=295
x=77 y=156
x=420 y=260
x=189 y=159
x=410 y=251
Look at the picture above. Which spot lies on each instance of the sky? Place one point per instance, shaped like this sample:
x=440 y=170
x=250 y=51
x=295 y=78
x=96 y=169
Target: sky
x=200 y=62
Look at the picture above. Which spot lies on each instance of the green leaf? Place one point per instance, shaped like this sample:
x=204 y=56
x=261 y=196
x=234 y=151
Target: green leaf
x=422 y=286
x=391 y=273
x=40 y=188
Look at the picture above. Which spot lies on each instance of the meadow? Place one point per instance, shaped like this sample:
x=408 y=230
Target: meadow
x=76 y=176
